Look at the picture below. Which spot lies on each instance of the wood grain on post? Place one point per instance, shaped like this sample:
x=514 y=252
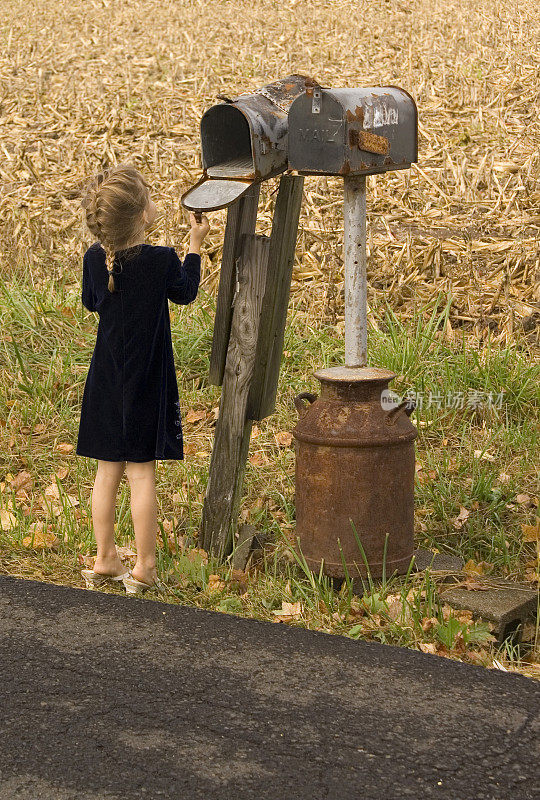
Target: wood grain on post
x=233 y=429
x=241 y=218
x=262 y=396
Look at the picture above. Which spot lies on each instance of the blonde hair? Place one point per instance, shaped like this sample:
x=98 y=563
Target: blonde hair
x=114 y=205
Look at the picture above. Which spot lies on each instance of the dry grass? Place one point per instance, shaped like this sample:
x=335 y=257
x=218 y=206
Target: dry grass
x=88 y=83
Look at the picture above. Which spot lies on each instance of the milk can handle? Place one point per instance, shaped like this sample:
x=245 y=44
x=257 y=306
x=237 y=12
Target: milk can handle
x=300 y=405
x=407 y=406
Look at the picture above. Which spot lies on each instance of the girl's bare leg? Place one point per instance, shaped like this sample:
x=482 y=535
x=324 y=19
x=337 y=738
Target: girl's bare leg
x=142 y=481
x=108 y=477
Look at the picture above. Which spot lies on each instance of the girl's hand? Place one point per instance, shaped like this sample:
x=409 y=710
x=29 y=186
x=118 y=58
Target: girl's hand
x=198 y=230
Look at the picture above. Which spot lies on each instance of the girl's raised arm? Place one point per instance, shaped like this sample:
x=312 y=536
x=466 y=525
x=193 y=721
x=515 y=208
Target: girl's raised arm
x=183 y=279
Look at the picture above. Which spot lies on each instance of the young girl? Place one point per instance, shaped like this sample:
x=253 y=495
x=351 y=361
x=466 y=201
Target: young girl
x=130 y=413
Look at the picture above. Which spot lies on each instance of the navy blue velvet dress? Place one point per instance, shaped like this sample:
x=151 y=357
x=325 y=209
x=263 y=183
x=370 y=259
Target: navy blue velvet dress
x=130 y=409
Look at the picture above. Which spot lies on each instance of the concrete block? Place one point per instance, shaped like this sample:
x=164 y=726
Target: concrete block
x=436 y=562
x=506 y=604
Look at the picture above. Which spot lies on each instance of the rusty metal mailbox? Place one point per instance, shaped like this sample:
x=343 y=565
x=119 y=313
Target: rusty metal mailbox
x=244 y=141
x=352 y=131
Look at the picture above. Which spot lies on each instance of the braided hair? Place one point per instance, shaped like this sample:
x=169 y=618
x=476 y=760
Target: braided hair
x=114 y=204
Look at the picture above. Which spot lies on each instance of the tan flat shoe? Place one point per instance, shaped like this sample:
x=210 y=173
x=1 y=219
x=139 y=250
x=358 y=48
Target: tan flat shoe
x=132 y=585
x=96 y=579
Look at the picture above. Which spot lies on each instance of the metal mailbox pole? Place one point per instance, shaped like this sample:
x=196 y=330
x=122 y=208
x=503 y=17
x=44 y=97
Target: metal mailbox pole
x=354 y=471
x=354 y=249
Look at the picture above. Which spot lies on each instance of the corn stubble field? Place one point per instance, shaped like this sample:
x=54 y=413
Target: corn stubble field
x=454 y=273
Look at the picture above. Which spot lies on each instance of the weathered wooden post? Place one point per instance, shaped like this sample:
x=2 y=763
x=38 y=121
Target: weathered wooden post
x=233 y=428
x=241 y=219
x=253 y=360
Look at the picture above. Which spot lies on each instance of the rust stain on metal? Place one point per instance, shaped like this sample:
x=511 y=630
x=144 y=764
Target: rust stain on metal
x=310 y=84
x=355 y=116
x=352 y=465
x=373 y=143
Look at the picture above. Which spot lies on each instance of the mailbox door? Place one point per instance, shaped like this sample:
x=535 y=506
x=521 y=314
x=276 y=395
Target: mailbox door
x=316 y=138
x=212 y=194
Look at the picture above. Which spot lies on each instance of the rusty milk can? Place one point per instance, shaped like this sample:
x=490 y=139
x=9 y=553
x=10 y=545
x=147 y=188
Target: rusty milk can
x=354 y=461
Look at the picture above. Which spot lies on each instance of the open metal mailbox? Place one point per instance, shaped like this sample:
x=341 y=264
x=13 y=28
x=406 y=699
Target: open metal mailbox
x=244 y=141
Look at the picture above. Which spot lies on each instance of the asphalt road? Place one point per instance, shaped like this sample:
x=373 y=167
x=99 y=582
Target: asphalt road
x=104 y=697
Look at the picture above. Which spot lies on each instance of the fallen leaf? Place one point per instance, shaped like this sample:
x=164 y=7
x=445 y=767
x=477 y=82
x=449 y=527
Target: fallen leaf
x=215 y=584
x=195 y=416
x=52 y=490
x=288 y=609
x=395 y=609
x=8 y=521
x=258 y=459
x=471 y=585
x=531 y=533
x=197 y=553
x=62 y=473
x=64 y=447
x=428 y=647
x=484 y=456
x=523 y=500
x=178 y=544
x=40 y=538
x=283 y=438
x=240 y=579
x=23 y=480
x=86 y=560
x=472 y=568
x=459 y=521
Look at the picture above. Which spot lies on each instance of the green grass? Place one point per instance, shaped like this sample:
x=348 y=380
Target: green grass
x=478 y=458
